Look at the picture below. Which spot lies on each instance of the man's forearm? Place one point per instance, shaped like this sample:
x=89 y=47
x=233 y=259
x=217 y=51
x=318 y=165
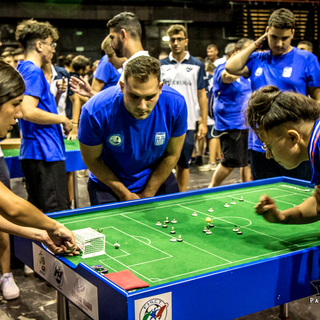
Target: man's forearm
x=25 y=232
x=160 y=175
x=39 y=116
x=103 y=172
x=203 y=103
x=306 y=212
x=23 y=213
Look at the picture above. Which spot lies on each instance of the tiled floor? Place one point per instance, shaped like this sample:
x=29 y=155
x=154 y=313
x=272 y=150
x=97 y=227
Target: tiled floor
x=38 y=301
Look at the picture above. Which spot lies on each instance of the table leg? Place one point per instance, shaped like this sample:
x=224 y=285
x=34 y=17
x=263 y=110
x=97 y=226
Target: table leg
x=75 y=189
x=62 y=307
x=284 y=311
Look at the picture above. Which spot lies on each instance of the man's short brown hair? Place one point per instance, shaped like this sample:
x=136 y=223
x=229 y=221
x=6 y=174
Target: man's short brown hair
x=212 y=45
x=80 y=62
x=282 y=19
x=176 y=28
x=30 y=30
x=142 y=68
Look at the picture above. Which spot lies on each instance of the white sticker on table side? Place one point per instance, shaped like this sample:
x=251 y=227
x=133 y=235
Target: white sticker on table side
x=76 y=288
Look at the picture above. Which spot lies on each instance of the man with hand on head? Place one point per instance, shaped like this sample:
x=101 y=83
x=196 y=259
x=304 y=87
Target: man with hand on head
x=131 y=136
x=284 y=66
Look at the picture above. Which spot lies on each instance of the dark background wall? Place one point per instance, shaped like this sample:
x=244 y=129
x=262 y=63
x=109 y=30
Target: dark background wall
x=82 y=24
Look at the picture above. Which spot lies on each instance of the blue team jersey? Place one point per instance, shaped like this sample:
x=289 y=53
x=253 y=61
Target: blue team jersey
x=39 y=142
x=187 y=77
x=131 y=147
x=107 y=73
x=294 y=71
x=314 y=153
x=230 y=101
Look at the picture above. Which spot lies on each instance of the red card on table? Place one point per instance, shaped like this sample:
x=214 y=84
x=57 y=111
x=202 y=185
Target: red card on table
x=126 y=280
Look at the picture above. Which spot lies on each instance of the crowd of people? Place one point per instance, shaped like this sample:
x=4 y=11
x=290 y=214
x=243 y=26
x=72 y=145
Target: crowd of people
x=142 y=121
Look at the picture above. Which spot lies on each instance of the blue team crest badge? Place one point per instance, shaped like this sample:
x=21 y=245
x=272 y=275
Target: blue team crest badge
x=258 y=72
x=287 y=71
x=160 y=138
x=115 y=140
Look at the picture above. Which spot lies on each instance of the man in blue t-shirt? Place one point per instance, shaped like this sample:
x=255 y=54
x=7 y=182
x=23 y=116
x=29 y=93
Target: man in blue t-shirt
x=284 y=66
x=42 y=151
x=231 y=94
x=187 y=75
x=131 y=136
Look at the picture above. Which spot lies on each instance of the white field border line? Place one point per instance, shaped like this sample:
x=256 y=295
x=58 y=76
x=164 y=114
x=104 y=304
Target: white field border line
x=131 y=236
x=183 y=241
x=220 y=265
x=237 y=261
x=102 y=262
x=151 y=261
x=175 y=204
x=126 y=266
x=244 y=227
x=161 y=207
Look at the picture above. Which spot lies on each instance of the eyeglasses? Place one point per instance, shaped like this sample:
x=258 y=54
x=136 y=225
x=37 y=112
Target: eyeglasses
x=53 y=45
x=173 y=40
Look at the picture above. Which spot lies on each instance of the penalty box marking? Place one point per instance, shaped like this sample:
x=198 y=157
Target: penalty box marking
x=169 y=256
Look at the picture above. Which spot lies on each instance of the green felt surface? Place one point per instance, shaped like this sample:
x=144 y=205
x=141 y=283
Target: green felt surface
x=69 y=144
x=147 y=251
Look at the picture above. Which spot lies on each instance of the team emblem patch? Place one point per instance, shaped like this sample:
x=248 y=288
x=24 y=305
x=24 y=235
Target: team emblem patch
x=160 y=138
x=287 y=71
x=188 y=69
x=115 y=140
x=258 y=72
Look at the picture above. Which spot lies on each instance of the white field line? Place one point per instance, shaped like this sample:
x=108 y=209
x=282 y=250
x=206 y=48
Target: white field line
x=166 y=206
x=184 y=241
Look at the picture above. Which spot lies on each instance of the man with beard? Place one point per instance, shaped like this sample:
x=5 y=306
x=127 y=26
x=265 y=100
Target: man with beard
x=125 y=33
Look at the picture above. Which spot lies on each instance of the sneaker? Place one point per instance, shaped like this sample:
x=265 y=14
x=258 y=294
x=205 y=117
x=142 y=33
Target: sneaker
x=9 y=288
x=208 y=167
x=28 y=271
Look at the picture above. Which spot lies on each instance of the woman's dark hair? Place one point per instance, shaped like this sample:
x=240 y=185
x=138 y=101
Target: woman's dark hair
x=268 y=107
x=11 y=83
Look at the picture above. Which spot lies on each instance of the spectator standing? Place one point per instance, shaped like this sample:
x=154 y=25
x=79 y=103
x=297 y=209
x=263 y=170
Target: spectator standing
x=187 y=75
x=284 y=66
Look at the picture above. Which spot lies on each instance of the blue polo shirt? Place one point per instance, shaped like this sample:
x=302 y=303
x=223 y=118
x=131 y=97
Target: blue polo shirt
x=39 y=142
x=107 y=73
x=230 y=101
x=131 y=147
x=294 y=71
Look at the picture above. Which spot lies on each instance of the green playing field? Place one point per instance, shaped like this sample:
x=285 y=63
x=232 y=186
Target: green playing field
x=147 y=250
x=69 y=145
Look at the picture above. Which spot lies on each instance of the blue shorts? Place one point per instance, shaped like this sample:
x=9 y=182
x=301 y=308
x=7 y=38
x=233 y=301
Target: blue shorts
x=210 y=132
x=187 y=149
